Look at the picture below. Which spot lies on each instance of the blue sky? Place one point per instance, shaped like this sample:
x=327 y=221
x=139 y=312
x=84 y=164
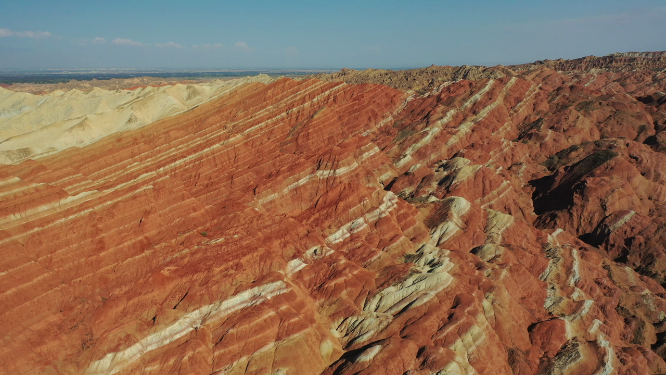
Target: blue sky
x=320 y=34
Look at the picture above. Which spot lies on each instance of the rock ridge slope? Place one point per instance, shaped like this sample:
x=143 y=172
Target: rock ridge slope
x=498 y=225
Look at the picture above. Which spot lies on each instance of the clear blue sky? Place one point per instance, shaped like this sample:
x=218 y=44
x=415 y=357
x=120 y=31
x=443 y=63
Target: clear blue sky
x=320 y=34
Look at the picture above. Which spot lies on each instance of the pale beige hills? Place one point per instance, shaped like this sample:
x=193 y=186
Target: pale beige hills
x=37 y=125
x=106 y=84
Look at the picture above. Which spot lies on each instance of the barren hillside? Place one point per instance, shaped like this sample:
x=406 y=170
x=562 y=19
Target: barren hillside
x=436 y=221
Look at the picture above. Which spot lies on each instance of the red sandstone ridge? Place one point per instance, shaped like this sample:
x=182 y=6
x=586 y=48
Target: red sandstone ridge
x=503 y=225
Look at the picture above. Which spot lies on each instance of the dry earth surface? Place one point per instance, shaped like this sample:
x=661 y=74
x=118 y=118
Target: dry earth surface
x=41 y=124
x=470 y=220
x=106 y=84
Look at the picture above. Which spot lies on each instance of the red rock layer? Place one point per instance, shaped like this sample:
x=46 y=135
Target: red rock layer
x=325 y=228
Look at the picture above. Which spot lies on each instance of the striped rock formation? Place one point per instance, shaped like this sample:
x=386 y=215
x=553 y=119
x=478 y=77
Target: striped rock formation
x=507 y=225
x=34 y=125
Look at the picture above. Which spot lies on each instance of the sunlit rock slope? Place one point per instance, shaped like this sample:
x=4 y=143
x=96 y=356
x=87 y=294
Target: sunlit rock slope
x=503 y=225
x=36 y=124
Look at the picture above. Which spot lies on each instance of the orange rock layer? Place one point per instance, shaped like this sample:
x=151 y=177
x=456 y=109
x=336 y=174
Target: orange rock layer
x=503 y=226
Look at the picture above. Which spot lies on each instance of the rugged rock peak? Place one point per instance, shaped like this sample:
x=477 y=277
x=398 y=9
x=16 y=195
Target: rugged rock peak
x=616 y=62
x=420 y=80
x=503 y=225
x=426 y=79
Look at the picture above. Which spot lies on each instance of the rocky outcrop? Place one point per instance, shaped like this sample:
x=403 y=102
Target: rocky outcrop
x=635 y=68
x=616 y=62
x=419 y=80
x=503 y=225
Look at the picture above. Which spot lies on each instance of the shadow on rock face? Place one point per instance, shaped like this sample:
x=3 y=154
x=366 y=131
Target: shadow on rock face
x=556 y=192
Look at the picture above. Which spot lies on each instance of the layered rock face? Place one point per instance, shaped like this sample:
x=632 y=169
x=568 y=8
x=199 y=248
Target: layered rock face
x=506 y=225
x=419 y=80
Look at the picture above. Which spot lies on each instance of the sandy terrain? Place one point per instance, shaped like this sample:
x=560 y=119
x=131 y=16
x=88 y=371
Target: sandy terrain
x=33 y=125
